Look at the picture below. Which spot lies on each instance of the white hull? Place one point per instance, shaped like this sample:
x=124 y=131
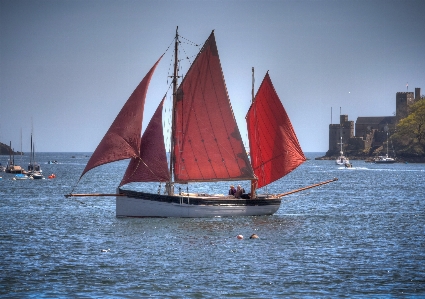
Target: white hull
x=342 y=160
x=384 y=160
x=139 y=207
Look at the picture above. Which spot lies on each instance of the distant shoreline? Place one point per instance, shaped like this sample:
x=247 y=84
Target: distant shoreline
x=370 y=159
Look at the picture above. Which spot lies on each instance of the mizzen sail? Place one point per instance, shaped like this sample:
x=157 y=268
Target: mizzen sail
x=151 y=165
x=274 y=147
x=207 y=142
x=122 y=140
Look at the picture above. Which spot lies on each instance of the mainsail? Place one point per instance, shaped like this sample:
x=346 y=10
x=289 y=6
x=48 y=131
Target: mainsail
x=274 y=147
x=207 y=142
x=151 y=165
x=122 y=140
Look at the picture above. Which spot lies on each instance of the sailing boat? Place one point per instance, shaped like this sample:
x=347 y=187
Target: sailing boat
x=342 y=160
x=206 y=146
x=385 y=159
x=34 y=169
x=11 y=167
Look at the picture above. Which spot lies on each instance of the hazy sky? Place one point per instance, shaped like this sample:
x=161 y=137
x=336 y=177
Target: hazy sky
x=67 y=67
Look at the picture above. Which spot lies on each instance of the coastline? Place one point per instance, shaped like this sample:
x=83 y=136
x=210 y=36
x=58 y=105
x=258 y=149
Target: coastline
x=370 y=159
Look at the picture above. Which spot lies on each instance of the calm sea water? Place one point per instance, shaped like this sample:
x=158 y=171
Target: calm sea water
x=362 y=236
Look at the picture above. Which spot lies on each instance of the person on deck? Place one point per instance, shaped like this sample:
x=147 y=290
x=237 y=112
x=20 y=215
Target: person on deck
x=239 y=191
x=232 y=190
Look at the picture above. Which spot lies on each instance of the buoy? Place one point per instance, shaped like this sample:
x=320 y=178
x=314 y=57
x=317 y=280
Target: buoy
x=52 y=176
x=240 y=237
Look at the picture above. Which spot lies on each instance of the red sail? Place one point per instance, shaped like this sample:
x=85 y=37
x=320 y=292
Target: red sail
x=207 y=142
x=122 y=141
x=274 y=147
x=151 y=165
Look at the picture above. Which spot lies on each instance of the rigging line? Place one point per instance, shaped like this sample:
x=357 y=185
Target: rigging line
x=75 y=186
x=93 y=206
x=140 y=160
x=171 y=43
x=135 y=168
x=157 y=177
x=188 y=42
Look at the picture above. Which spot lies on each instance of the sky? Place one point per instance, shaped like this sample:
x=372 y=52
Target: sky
x=67 y=67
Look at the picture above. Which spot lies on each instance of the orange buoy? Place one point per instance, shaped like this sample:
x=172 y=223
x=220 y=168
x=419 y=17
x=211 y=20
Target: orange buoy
x=52 y=176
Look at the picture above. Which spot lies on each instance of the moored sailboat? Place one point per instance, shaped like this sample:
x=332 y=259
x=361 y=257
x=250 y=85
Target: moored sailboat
x=11 y=167
x=384 y=159
x=34 y=168
x=342 y=160
x=206 y=146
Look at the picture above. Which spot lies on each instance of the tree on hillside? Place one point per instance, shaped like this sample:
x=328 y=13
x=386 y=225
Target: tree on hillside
x=409 y=138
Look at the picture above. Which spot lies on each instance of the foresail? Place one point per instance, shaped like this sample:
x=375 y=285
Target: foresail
x=122 y=140
x=151 y=165
x=274 y=147
x=208 y=144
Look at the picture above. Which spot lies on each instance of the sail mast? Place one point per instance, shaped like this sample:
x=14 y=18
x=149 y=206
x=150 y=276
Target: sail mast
x=252 y=90
x=340 y=129
x=173 y=127
x=253 y=182
x=31 y=161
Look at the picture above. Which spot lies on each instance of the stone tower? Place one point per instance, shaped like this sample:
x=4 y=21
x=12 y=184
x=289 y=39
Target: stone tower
x=345 y=128
x=417 y=94
x=403 y=100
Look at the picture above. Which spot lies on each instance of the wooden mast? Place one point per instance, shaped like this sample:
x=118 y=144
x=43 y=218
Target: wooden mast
x=169 y=187
x=254 y=181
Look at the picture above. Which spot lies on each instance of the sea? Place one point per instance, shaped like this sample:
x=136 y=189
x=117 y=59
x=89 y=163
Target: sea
x=362 y=236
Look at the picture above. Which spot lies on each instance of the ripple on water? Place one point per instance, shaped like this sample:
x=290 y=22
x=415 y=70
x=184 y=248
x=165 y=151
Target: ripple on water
x=362 y=236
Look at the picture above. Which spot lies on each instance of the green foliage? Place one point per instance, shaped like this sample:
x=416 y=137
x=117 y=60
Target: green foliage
x=409 y=138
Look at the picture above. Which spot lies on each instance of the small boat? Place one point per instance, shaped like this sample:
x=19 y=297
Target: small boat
x=37 y=175
x=385 y=159
x=52 y=162
x=20 y=176
x=206 y=146
x=342 y=160
x=10 y=166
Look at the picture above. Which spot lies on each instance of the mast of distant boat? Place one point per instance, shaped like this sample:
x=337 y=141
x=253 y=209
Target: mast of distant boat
x=340 y=130
x=386 y=130
x=21 y=146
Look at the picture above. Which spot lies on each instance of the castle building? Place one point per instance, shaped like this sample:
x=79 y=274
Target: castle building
x=370 y=131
